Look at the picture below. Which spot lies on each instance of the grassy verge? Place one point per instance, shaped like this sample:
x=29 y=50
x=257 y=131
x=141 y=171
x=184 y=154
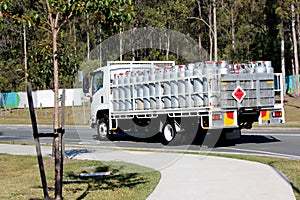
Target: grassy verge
x=127 y=181
x=44 y=116
x=292 y=112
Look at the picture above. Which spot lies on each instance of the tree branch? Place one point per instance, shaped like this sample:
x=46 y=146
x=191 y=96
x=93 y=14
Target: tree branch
x=45 y=29
x=201 y=19
x=48 y=5
x=65 y=21
x=56 y=20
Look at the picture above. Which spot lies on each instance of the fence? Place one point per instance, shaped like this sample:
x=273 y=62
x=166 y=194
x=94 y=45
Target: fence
x=289 y=84
x=41 y=98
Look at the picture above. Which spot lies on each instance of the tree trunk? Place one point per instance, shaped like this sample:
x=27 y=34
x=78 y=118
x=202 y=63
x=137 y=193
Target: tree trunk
x=297 y=68
x=167 y=34
x=215 y=31
x=200 y=46
x=293 y=67
x=75 y=40
x=88 y=36
x=295 y=44
x=282 y=57
x=100 y=45
x=121 y=45
x=58 y=181
x=210 y=34
x=25 y=52
x=232 y=35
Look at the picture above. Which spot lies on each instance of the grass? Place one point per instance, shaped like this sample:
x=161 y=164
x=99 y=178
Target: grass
x=73 y=116
x=292 y=110
x=127 y=181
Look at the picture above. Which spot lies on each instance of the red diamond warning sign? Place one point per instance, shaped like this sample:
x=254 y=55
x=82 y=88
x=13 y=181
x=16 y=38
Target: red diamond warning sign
x=239 y=94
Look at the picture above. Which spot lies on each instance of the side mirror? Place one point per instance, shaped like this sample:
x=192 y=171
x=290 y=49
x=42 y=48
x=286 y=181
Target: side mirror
x=86 y=85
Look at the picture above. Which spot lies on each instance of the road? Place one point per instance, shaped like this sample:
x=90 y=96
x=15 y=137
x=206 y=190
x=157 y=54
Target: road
x=274 y=142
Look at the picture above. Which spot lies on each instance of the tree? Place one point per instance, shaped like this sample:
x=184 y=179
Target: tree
x=51 y=16
x=295 y=45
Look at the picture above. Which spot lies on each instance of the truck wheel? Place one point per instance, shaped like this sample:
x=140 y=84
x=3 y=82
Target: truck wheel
x=103 y=130
x=168 y=133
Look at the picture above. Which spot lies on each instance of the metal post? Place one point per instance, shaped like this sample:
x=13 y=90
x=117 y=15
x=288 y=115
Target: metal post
x=37 y=142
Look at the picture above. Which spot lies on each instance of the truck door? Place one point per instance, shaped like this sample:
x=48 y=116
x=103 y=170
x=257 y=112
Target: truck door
x=99 y=89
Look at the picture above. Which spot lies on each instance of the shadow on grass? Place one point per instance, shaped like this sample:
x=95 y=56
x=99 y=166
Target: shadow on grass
x=115 y=180
x=291 y=105
x=72 y=153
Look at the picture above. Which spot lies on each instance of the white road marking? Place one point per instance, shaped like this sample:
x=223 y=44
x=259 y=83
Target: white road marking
x=262 y=152
x=273 y=134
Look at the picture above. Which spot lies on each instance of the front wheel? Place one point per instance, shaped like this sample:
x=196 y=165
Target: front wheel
x=103 y=130
x=168 y=132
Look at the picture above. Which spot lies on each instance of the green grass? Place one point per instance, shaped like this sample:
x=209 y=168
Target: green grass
x=127 y=181
x=292 y=112
x=19 y=179
x=73 y=116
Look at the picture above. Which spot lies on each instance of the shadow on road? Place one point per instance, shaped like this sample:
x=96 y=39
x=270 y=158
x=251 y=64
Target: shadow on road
x=258 y=139
x=248 y=139
x=197 y=140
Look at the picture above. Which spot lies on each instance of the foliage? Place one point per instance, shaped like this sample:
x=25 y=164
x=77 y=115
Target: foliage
x=38 y=16
x=252 y=25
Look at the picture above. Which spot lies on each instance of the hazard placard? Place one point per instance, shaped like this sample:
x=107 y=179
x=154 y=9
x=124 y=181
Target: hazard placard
x=239 y=94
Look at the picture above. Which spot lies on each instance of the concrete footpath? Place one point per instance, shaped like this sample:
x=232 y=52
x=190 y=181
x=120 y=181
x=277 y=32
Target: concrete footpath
x=185 y=176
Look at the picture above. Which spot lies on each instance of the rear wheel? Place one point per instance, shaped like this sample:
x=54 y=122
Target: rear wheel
x=103 y=129
x=168 y=132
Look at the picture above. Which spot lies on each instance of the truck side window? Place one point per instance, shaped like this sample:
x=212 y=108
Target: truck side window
x=97 y=81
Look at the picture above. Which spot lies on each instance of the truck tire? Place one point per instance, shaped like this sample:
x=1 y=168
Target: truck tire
x=103 y=130
x=168 y=133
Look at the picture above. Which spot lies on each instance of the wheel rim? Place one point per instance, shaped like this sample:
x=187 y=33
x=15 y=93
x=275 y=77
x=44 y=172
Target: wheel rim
x=102 y=130
x=169 y=132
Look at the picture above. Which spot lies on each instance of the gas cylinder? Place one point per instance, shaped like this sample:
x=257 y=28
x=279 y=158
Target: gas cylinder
x=158 y=88
x=174 y=87
x=146 y=90
x=167 y=88
x=115 y=94
x=198 y=87
x=152 y=88
x=189 y=102
x=181 y=86
x=128 y=98
x=140 y=91
x=121 y=90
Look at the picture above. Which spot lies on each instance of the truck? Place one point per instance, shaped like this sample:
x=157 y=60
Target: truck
x=160 y=97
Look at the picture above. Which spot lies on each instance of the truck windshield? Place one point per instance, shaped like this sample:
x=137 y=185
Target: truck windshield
x=97 y=83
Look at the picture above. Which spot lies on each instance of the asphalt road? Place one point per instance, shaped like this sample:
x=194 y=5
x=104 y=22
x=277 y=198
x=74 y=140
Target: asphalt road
x=274 y=142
